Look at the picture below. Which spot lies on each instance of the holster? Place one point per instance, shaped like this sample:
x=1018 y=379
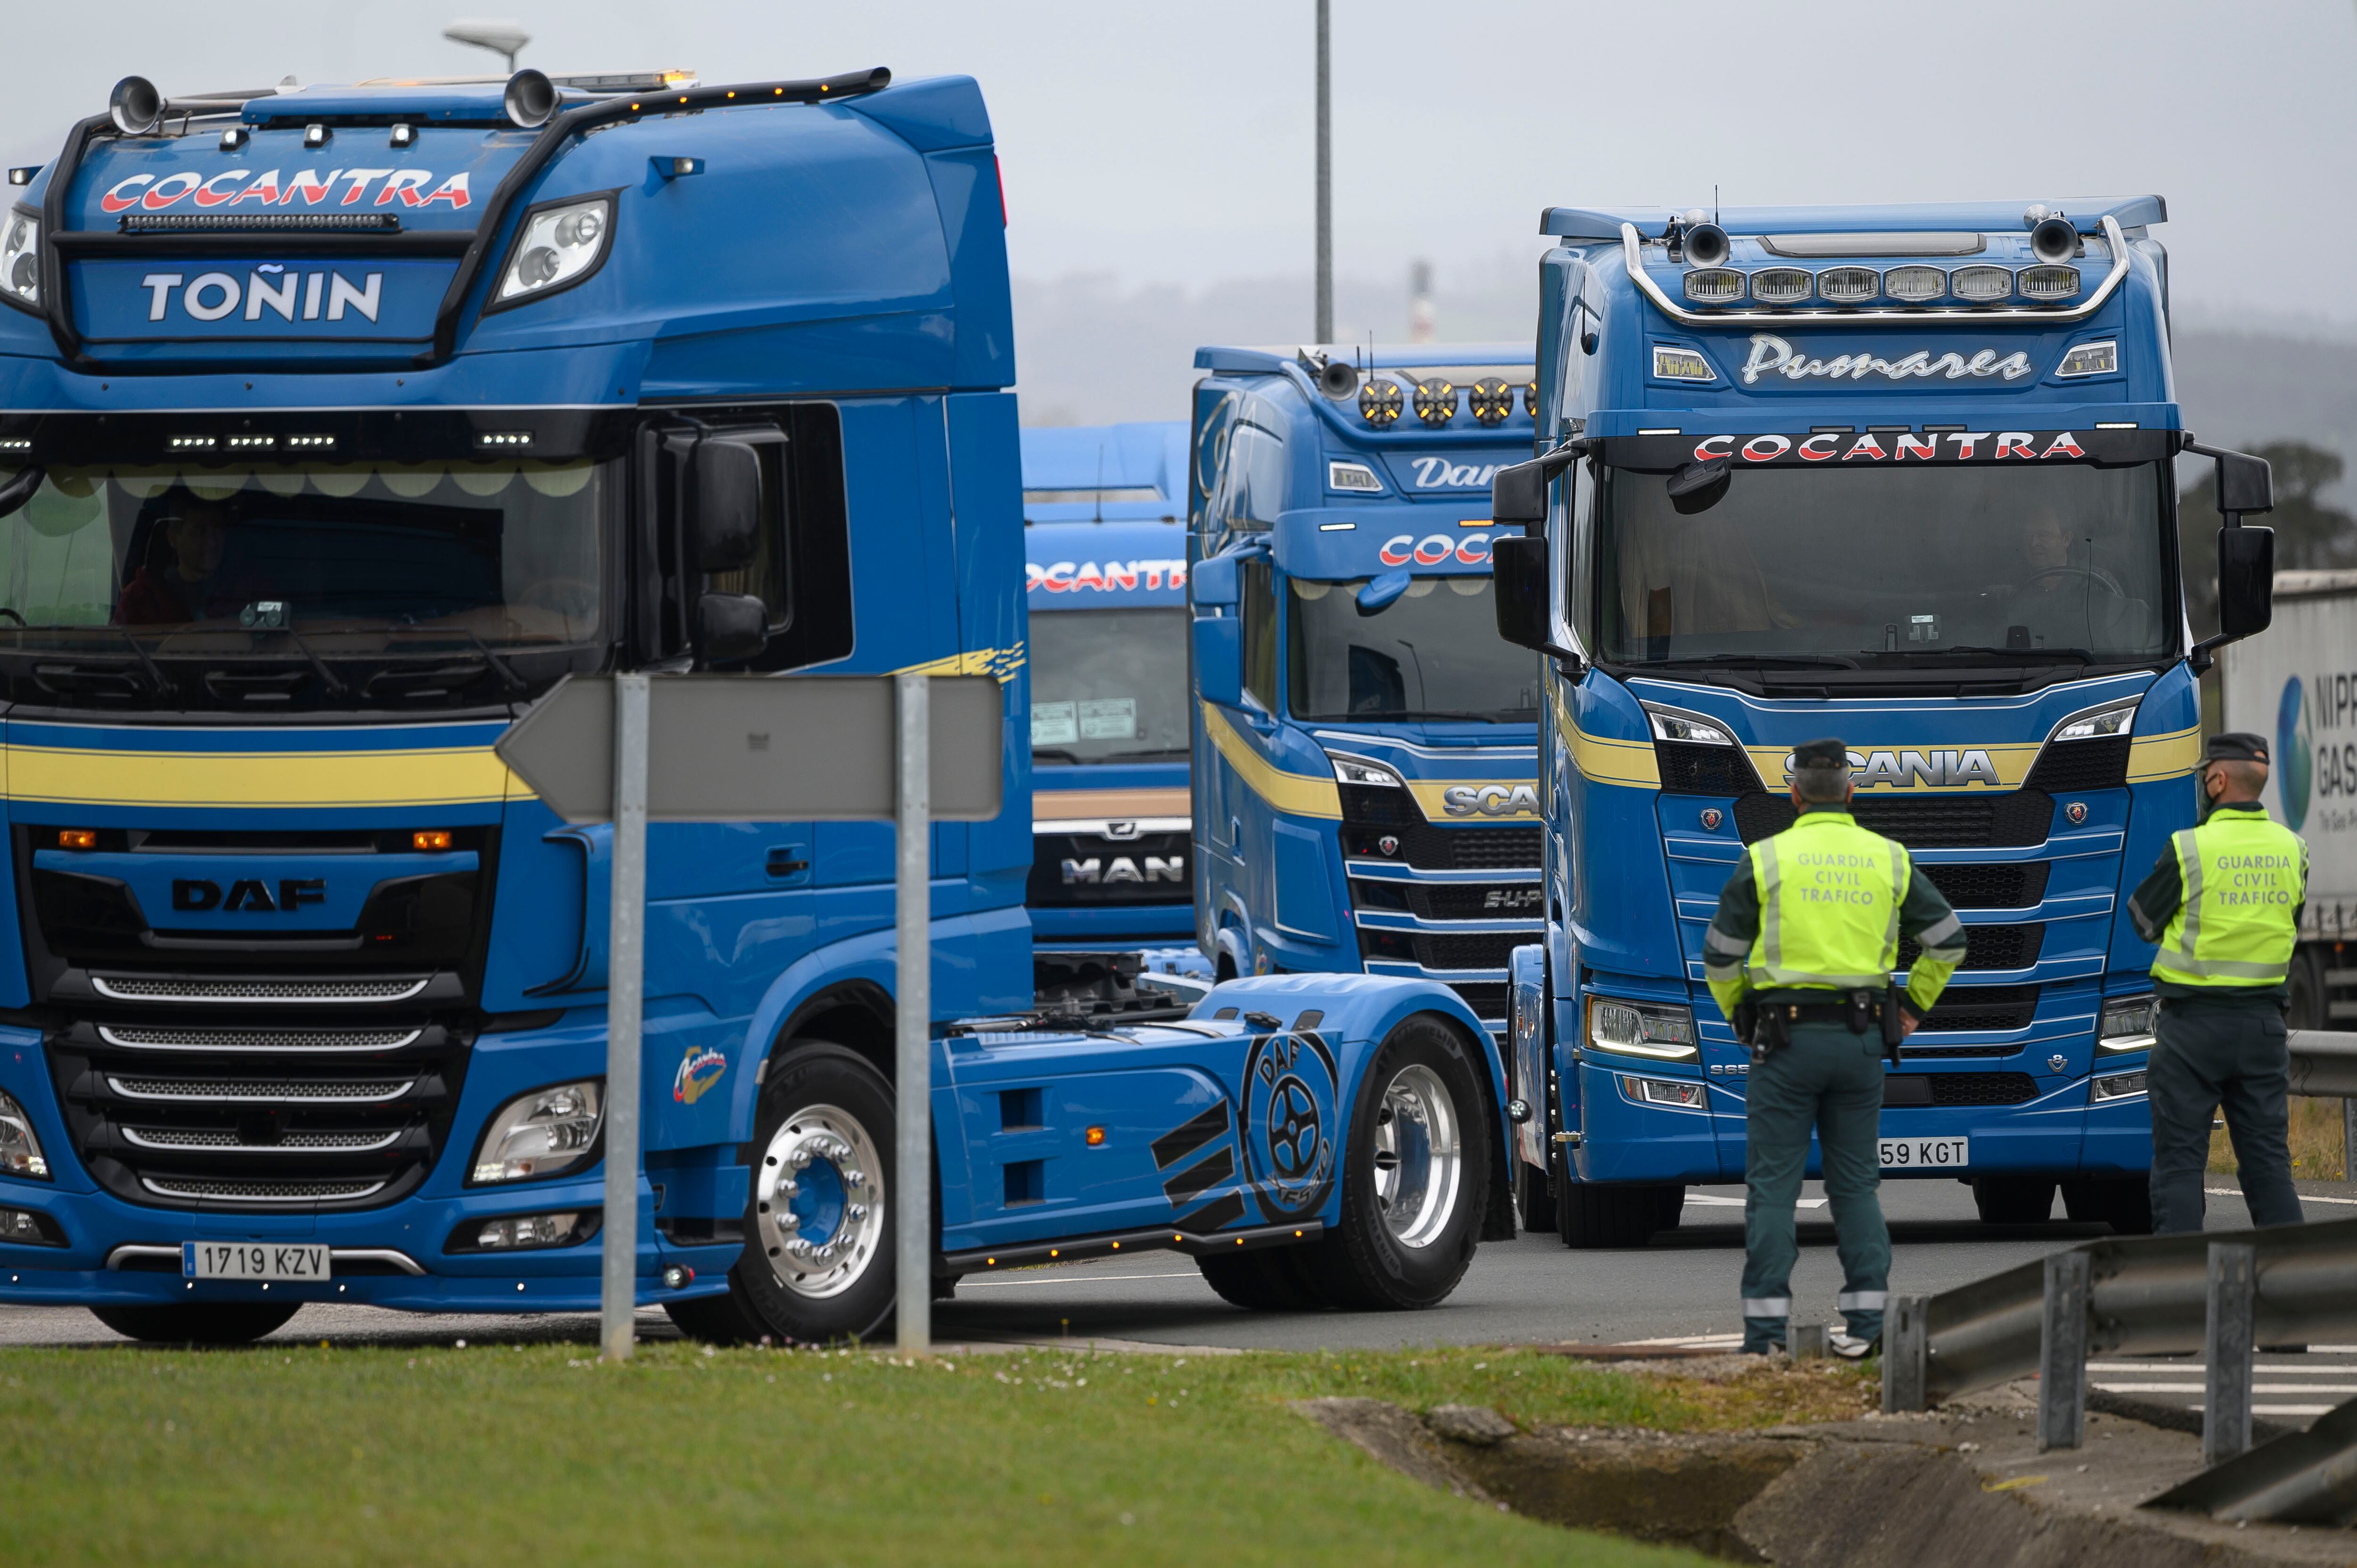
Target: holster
x=1775 y=1029
x=1894 y=1023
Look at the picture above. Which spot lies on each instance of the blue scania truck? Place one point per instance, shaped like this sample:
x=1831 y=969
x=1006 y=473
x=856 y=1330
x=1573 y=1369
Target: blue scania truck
x=1902 y=475
x=337 y=424
x=1105 y=546
x=1364 y=747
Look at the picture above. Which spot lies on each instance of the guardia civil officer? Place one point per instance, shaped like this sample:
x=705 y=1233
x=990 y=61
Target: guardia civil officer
x=2223 y=905
x=1800 y=956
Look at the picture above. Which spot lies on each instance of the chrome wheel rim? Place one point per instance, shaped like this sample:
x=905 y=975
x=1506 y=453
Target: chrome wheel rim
x=819 y=1194
x=1419 y=1158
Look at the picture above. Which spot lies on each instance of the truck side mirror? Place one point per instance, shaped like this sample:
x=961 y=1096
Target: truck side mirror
x=730 y=626
x=2244 y=484
x=2246 y=575
x=1518 y=570
x=1220 y=659
x=1212 y=585
x=728 y=510
x=1519 y=495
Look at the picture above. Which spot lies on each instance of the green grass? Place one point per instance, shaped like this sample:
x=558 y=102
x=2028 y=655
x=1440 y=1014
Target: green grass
x=515 y=1457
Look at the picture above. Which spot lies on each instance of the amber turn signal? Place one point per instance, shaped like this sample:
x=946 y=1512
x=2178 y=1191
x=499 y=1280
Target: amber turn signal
x=1096 y=1136
x=430 y=838
x=77 y=838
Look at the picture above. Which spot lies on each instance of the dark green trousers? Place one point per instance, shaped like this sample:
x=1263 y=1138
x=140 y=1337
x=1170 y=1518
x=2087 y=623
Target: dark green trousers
x=1830 y=1081
x=2227 y=1055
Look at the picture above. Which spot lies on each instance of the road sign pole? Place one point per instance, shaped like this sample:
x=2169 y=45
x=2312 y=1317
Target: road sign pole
x=913 y=1164
x=625 y=983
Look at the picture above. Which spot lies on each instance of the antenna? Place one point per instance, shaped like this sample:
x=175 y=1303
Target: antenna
x=1100 y=481
x=1713 y=203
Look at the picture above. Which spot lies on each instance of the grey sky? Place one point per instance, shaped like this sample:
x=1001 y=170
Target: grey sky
x=1171 y=144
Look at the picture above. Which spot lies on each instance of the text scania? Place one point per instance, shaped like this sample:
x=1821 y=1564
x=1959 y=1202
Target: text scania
x=405 y=186
x=1906 y=769
x=214 y=297
x=1490 y=799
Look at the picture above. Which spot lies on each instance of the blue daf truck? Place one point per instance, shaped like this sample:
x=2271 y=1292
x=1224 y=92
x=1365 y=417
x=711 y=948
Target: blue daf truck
x=1105 y=574
x=1901 y=475
x=337 y=425
x=1364 y=746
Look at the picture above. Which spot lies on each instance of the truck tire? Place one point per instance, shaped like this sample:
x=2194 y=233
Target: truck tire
x=1415 y=1175
x=2304 y=981
x=2014 y=1200
x=1535 y=1197
x=1595 y=1215
x=197 y=1322
x=1267 y=1279
x=1673 y=1211
x=2124 y=1203
x=817 y=1264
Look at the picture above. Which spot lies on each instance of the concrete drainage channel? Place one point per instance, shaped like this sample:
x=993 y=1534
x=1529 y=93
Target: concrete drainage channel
x=1964 y=1488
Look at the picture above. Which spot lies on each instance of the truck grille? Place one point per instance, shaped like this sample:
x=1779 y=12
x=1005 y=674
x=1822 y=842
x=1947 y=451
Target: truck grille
x=1087 y=870
x=1439 y=951
x=1990 y=886
x=1486 y=997
x=1372 y=815
x=2016 y=820
x=259 y=1192
x=226 y=993
x=1989 y=947
x=2070 y=765
x=1983 y=1088
x=1450 y=900
x=154 y=1037
x=1689 y=769
x=1988 y=1008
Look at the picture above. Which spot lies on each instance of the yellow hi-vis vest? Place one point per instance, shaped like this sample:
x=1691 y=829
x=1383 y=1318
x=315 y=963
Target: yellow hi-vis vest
x=2245 y=877
x=1829 y=899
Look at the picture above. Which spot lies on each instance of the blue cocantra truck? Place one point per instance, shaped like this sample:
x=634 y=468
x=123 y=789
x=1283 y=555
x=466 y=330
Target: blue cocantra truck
x=336 y=425
x=1105 y=572
x=1364 y=746
x=1904 y=476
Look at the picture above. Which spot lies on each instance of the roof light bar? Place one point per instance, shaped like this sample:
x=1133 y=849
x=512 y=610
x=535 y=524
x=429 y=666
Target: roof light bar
x=1981 y=286
x=1914 y=285
x=1848 y=286
x=1714 y=286
x=1781 y=285
x=503 y=438
x=2047 y=282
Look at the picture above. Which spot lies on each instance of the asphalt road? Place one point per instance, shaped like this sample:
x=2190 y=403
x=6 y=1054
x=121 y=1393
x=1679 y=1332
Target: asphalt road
x=1683 y=1285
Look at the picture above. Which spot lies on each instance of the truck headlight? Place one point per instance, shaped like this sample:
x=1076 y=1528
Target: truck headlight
x=20 y=1147
x=1351 y=769
x=1682 y=1092
x=2098 y=727
x=526 y=1232
x=540 y=1134
x=557 y=246
x=2127 y=1026
x=2119 y=1085
x=1642 y=1028
x=20 y=260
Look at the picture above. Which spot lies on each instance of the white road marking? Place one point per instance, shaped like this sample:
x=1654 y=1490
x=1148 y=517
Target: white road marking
x=1713 y=1200
x=2304 y=1198
x=2203 y=1388
x=1062 y=1278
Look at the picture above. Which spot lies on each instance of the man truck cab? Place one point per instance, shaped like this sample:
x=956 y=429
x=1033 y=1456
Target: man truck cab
x=1106 y=569
x=1363 y=743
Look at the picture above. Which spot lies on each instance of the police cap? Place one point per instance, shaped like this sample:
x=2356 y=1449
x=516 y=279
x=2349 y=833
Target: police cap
x=1820 y=753
x=2237 y=745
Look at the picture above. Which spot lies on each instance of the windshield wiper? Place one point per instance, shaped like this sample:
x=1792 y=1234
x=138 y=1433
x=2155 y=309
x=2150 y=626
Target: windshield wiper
x=1756 y=660
x=2012 y=655
x=1465 y=714
x=1056 y=751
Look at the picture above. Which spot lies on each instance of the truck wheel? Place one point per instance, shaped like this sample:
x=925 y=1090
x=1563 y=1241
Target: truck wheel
x=714 y=1320
x=2308 y=992
x=1534 y=1197
x=1592 y=1215
x=817 y=1264
x=197 y=1322
x=2124 y=1203
x=1416 y=1176
x=2014 y=1200
x=1267 y=1279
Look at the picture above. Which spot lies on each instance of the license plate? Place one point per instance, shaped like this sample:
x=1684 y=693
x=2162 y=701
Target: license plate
x=1926 y=1153
x=252 y=1261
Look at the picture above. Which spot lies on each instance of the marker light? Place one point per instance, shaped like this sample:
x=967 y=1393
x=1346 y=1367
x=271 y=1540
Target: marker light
x=2127 y=1026
x=522 y=1232
x=1681 y=365
x=1642 y=1028
x=2090 y=359
x=1436 y=400
x=1359 y=770
x=430 y=839
x=1781 y=285
x=1714 y=286
x=1381 y=402
x=1096 y=1136
x=2095 y=726
x=2048 y=282
x=1848 y=286
x=1914 y=285
x=1531 y=399
x=1342 y=476
x=315 y=137
x=1981 y=286
x=540 y=1134
x=20 y=260
x=1491 y=401
x=20 y=1148
x=2119 y=1085
x=559 y=245
x=26 y=1229
x=77 y=838
x=403 y=135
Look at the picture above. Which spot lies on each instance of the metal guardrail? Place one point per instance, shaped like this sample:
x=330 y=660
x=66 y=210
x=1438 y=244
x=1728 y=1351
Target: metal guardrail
x=2323 y=1063
x=2304 y=1477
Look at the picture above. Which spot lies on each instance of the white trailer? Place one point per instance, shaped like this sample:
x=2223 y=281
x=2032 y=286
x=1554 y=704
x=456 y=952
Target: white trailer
x=2296 y=683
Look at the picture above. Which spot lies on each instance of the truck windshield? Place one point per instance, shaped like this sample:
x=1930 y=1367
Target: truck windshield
x=1432 y=653
x=1935 y=566
x=357 y=557
x=1109 y=685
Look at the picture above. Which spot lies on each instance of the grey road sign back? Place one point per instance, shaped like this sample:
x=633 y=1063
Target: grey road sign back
x=738 y=748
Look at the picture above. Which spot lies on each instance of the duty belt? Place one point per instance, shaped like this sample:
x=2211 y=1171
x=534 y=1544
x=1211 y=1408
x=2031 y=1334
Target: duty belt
x=1820 y=1012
